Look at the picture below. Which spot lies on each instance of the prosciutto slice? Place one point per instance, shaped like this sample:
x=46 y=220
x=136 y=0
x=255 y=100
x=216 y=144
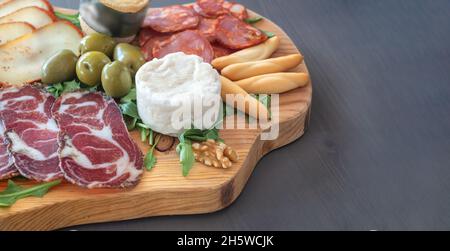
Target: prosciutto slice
x=31 y=131
x=96 y=150
x=7 y=168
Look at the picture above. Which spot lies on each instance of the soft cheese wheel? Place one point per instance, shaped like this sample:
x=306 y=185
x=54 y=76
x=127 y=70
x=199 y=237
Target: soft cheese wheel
x=173 y=85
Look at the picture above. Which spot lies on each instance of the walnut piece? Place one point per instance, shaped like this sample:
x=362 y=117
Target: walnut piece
x=214 y=154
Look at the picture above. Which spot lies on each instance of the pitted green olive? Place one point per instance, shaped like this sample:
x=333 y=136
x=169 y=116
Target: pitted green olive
x=98 y=42
x=90 y=66
x=116 y=79
x=59 y=68
x=130 y=55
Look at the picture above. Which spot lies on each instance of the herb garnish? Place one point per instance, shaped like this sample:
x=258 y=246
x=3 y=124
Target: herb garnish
x=253 y=20
x=15 y=192
x=74 y=19
x=150 y=159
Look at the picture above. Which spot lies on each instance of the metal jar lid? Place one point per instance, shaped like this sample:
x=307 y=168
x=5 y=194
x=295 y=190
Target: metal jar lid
x=109 y=21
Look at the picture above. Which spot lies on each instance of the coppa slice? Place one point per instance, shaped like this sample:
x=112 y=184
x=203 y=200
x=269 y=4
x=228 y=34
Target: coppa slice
x=9 y=7
x=7 y=168
x=171 y=19
x=32 y=132
x=236 y=34
x=33 y=15
x=96 y=150
x=190 y=42
x=11 y=31
x=21 y=60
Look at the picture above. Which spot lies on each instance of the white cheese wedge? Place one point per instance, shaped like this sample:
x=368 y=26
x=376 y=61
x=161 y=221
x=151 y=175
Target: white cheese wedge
x=176 y=92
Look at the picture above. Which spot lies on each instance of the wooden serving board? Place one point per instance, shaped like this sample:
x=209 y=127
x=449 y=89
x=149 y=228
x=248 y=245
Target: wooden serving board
x=164 y=191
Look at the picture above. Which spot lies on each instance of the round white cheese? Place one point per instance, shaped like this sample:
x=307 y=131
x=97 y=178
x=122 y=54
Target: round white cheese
x=176 y=92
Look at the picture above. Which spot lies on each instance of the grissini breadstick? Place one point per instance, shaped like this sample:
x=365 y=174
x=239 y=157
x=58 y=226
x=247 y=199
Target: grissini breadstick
x=253 y=107
x=275 y=83
x=251 y=69
x=259 y=52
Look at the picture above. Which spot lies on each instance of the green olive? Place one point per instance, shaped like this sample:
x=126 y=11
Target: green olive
x=90 y=66
x=116 y=79
x=130 y=55
x=59 y=67
x=98 y=42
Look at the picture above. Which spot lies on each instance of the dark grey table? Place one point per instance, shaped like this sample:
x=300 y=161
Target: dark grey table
x=377 y=155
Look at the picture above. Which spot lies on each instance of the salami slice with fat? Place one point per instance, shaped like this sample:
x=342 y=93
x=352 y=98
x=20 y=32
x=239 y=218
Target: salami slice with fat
x=221 y=51
x=147 y=40
x=171 y=19
x=237 y=10
x=209 y=8
x=207 y=28
x=236 y=34
x=190 y=42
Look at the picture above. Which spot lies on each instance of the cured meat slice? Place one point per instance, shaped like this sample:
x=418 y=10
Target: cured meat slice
x=210 y=8
x=221 y=51
x=171 y=19
x=148 y=38
x=31 y=131
x=207 y=27
x=237 y=10
x=7 y=168
x=190 y=42
x=236 y=34
x=96 y=150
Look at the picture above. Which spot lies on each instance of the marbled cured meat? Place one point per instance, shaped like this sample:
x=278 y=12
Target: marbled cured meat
x=31 y=131
x=171 y=19
x=190 y=42
x=236 y=34
x=96 y=150
x=7 y=168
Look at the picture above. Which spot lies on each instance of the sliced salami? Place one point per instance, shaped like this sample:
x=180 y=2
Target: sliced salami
x=207 y=28
x=96 y=150
x=7 y=168
x=31 y=131
x=149 y=38
x=190 y=42
x=236 y=34
x=221 y=51
x=171 y=19
x=237 y=10
x=209 y=8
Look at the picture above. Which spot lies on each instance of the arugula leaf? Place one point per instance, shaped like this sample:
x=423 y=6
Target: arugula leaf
x=130 y=109
x=186 y=153
x=150 y=159
x=130 y=97
x=269 y=34
x=253 y=20
x=74 y=19
x=58 y=89
x=130 y=122
x=14 y=192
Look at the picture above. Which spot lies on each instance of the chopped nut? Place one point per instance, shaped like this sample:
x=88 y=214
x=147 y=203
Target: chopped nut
x=214 y=154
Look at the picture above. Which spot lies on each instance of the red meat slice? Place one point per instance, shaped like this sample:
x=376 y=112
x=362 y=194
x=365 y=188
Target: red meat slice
x=236 y=34
x=96 y=150
x=190 y=42
x=209 y=8
x=149 y=38
x=31 y=131
x=237 y=10
x=221 y=51
x=207 y=27
x=171 y=19
x=7 y=168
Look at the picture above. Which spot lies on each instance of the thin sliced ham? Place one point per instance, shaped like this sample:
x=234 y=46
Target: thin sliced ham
x=96 y=150
x=31 y=131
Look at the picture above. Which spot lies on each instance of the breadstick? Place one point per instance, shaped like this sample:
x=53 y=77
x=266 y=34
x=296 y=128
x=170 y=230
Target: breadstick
x=275 y=83
x=259 y=52
x=251 y=69
x=253 y=107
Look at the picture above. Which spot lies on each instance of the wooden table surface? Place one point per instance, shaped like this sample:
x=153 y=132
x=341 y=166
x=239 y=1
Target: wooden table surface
x=377 y=154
